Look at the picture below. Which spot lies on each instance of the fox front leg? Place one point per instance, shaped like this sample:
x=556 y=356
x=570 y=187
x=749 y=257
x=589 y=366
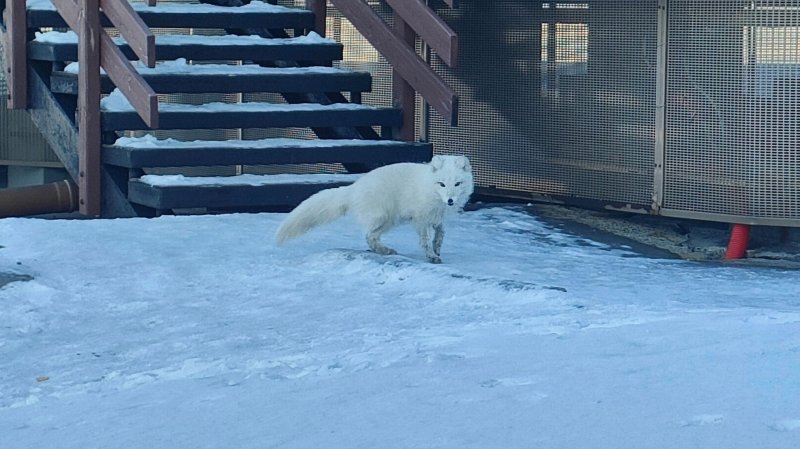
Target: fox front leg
x=438 y=238
x=425 y=243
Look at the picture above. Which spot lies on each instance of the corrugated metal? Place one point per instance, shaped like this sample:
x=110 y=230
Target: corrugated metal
x=732 y=107
x=557 y=98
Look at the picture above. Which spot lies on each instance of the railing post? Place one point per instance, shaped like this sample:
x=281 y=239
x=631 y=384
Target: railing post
x=89 y=141
x=16 y=55
x=320 y=10
x=403 y=94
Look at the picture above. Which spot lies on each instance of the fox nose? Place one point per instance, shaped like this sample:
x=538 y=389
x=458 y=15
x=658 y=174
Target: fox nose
x=449 y=201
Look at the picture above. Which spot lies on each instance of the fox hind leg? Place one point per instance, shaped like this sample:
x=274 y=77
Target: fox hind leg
x=374 y=239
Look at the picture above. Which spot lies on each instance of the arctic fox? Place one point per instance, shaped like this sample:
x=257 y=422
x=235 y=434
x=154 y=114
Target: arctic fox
x=387 y=196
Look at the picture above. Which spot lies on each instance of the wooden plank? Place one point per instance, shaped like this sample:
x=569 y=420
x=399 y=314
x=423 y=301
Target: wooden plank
x=127 y=79
x=403 y=94
x=16 y=57
x=257 y=52
x=89 y=142
x=55 y=126
x=209 y=119
x=430 y=27
x=177 y=156
x=69 y=11
x=132 y=28
x=291 y=19
x=62 y=136
x=227 y=197
x=403 y=59
x=320 y=10
x=345 y=81
x=141 y=96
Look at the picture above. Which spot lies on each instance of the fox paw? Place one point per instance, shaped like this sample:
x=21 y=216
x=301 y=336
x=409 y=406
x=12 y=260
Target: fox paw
x=384 y=251
x=434 y=259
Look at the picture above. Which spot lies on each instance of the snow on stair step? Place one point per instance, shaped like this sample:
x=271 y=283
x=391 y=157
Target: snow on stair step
x=148 y=151
x=63 y=46
x=257 y=14
x=245 y=180
x=165 y=192
x=118 y=114
x=180 y=76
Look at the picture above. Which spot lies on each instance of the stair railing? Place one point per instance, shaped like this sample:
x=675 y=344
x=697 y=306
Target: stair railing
x=96 y=49
x=411 y=73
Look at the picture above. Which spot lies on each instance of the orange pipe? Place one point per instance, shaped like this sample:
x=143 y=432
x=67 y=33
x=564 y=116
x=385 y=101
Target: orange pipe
x=737 y=246
x=61 y=196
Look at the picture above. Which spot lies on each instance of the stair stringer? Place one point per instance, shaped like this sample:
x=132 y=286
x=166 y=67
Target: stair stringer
x=61 y=134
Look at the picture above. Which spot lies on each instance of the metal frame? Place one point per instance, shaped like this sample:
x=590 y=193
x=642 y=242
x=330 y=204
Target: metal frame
x=663 y=180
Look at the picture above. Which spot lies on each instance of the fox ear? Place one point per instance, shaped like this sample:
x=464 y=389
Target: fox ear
x=463 y=163
x=437 y=162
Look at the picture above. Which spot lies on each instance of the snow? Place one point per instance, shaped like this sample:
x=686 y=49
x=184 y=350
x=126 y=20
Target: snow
x=116 y=101
x=182 y=67
x=163 y=7
x=244 y=180
x=198 y=332
x=69 y=37
x=150 y=142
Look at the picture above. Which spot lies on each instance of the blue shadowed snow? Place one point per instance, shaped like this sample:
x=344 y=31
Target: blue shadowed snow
x=198 y=332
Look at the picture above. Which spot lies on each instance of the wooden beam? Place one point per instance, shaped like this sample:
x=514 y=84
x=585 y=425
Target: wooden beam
x=116 y=64
x=320 y=10
x=430 y=27
x=141 y=96
x=403 y=94
x=405 y=60
x=69 y=11
x=89 y=124
x=139 y=37
x=16 y=58
x=62 y=136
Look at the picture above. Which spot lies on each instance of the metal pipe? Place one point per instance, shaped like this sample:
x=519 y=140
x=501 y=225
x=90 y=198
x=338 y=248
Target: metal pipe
x=737 y=247
x=61 y=196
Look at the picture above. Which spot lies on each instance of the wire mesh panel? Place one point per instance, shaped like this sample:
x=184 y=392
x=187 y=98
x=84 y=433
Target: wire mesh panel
x=20 y=141
x=556 y=98
x=732 y=100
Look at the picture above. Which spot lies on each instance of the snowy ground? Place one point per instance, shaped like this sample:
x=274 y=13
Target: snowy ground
x=197 y=332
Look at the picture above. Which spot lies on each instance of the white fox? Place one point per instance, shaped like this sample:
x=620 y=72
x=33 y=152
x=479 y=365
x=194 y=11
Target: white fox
x=387 y=196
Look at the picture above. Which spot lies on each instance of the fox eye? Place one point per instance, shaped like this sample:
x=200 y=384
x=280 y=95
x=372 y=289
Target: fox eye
x=441 y=184
x=458 y=183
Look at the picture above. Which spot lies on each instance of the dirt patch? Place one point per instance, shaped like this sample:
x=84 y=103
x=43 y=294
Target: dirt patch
x=687 y=239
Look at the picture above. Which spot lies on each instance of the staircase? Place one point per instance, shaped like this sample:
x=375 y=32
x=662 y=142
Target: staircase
x=287 y=58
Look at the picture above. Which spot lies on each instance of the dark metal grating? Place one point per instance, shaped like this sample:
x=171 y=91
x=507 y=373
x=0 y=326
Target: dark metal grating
x=732 y=107
x=556 y=98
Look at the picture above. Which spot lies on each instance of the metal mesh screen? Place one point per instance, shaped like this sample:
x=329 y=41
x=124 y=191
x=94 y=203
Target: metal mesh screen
x=20 y=142
x=733 y=88
x=557 y=98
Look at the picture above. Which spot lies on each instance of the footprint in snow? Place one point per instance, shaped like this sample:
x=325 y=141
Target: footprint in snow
x=703 y=420
x=786 y=425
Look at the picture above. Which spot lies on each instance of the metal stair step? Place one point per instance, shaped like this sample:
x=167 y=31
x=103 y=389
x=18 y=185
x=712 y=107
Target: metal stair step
x=117 y=115
x=258 y=14
x=63 y=46
x=148 y=151
x=163 y=192
x=177 y=77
